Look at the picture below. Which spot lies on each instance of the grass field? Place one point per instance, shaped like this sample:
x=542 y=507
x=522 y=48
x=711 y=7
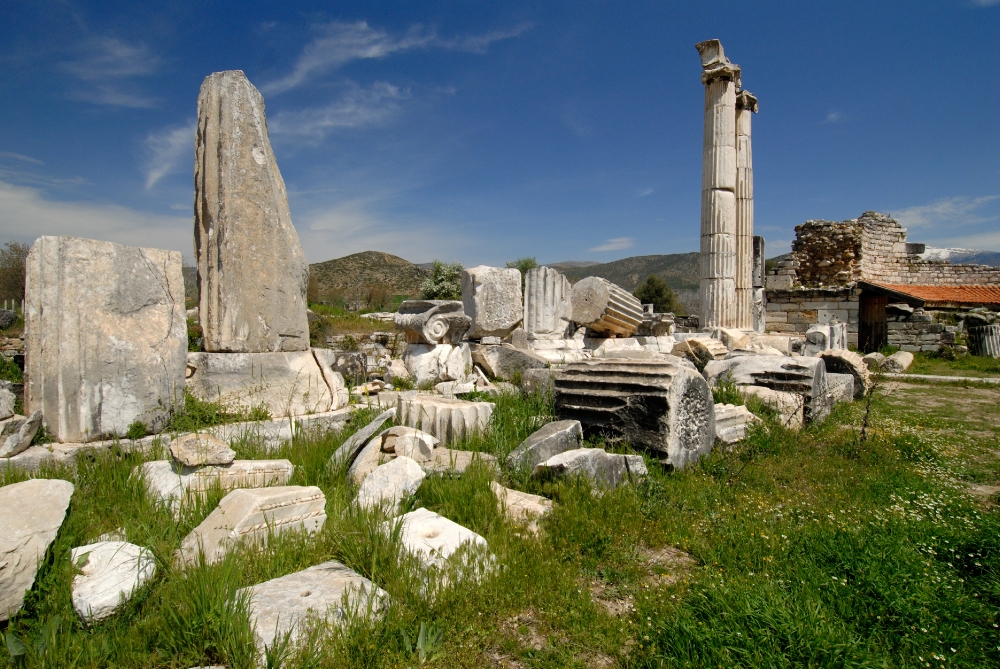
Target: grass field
x=970 y=365
x=796 y=549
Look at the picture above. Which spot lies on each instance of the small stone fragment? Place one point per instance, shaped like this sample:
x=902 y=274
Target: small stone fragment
x=193 y=450
x=602 y=469
x=448 y=462
x=252 y=515
x=521 y=507
x=345 y=455
x=7 y=400
x=790 y=406
x=898 y=362
x=328 y=592
x=33 y=511
x=17 y=432
x=552 y=439
x=433 y=539
x=396 y=371
x=874 y=360
x=110 y=571
x=175 y=484
x=732 y=421
x=505 y=361
x=390 y=483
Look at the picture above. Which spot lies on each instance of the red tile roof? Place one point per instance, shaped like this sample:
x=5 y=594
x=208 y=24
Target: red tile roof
x=939 y=296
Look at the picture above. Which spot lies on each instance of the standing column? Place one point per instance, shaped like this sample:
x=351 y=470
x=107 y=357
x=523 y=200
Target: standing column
x=718 y=188
x=746 y=104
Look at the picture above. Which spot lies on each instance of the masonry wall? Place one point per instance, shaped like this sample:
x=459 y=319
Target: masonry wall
x=793 y=311
x=920 y=331
x=828 y=253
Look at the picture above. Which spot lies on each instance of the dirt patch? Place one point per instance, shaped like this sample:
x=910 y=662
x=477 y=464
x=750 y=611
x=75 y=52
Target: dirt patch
x=610 y=601
x=667 y=565
x=980 y=490
x=503 y=662
x=525 y=628
x=596 y=660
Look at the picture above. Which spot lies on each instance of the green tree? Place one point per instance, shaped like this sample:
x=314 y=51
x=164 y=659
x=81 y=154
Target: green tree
x=523 y=265
x=12 y=260
x=444 y=283
x=655 y=291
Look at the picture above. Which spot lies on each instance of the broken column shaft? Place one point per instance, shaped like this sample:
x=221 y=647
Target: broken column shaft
x=746 y=104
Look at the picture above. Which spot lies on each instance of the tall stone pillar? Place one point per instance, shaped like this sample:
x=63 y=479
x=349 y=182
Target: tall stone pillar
x=718 y=188
x=759 y=321
x=746 y=104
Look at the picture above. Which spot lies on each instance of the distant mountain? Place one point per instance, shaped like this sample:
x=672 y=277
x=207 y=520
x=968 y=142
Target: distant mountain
x=370 y=268
x=962 y=256
x=679 y=270
x=571 y=264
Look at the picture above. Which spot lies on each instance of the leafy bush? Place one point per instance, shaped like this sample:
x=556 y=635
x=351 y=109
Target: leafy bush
x=9 y=371
x=523 y=265
x=655 y=291
x=137 y=430
x=444 y=283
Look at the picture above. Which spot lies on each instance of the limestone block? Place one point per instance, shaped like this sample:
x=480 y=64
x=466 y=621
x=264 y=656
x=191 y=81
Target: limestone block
x=504 y=361
x=127 y=363
x=33 y=511
x=874 y=360
x=285 y=384
x=898 y=362
x=253 y=515
x=175 y=485
x=252 y=272
x=778 y=282
x=433 y=539
x=783 y=343
x=732 y=338
x=842 y=361
x=804 y=376
x=396 y=371
x=731 y=422
x=327 y=593
x=658 y=405
x=551 y=439
x=433 y=321
x=390 y=483
x=327 y=361
x=841 y=387
x=548 y=304
x=109 y=572
x=539 y=381
x=521 y=508
x=605 y=307
x=385 y=446
x=433 y=364
x=17 y=432
x=602 y=469
x=348 y=451
x=450 y=420
x=790 y=406
x=7 y=400
x=449 y=462
x=193 y=450
x=491 y=297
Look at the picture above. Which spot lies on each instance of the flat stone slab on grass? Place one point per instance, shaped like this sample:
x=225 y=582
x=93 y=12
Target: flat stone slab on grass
x=110 y=571
x=552 y=439
x=391 y=483
x=175 y=485
x=193 y=450
x=32 y=512
x=602 y=469
x=252 y=515
x=521 y=508
x=329 y=592
x=433 y=539
x=448 y=462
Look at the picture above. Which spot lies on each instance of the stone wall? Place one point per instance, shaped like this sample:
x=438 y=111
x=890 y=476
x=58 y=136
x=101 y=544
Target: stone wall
x=794 y=311
x=827 y=253
x=920 y=330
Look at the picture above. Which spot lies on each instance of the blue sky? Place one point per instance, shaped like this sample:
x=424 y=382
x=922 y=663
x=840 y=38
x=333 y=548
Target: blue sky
x=482 y=132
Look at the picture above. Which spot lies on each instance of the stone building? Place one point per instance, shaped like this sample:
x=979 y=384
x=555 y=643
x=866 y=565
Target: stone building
x=863 y=272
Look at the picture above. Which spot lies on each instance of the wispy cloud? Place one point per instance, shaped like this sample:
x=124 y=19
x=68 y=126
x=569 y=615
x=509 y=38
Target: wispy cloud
x=340 y=43
x=167 y=149
x=26 y=213
x=20 y=157
x=104 y=64
x=985 y=3
x=834 y=116
x=646 y=191
x=615 y=244
x=356 y=107
x=951 y=211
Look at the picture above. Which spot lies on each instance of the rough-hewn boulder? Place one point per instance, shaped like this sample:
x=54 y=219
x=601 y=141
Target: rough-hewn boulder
x=549 y=440
x=32 y=513
x=605 y=307
x=252 y=272
x=805 y=376
x=660 y=406
x=105 y=336
x=252 y=515
x=17 y=432
x=492 y=299
x=193 y=450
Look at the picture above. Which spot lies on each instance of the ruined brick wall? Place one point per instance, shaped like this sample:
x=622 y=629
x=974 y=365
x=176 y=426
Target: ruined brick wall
x=794 y=311
x=828 y=253
x=921 y=331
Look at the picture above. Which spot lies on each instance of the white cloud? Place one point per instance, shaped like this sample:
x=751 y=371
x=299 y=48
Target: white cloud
x=834 y=116
x=356 y=107
x=342 y=43
x=167 y=148
x=25 y=210
x=356 y=225
x=985 y=241
x=647 y=191
x=985 y=3
x=20 y=157
x=950 y=211
x=102 y=65
x=615 y=244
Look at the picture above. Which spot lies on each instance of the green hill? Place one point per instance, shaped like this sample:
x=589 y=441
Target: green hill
x=369 y=268
x=679 y=270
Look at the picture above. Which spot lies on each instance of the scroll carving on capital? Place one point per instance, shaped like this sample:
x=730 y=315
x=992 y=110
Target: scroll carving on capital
x=746 y=100
x=715 y=64
x=433 y=321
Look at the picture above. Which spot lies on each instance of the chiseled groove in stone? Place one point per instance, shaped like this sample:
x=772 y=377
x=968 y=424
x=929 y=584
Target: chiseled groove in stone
x=277 y=522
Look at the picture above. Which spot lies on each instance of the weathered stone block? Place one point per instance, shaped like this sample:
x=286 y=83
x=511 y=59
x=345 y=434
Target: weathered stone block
x=391 y=483
x=602 y=469
x=803 y=376
x=552 y=439
x=431 y=364
x=450 y=420
x=105 y=336
x=521 y=508
x=732 y=421
x=548 y=304
x=108 y=573
x=174 y=485
x=505 y=361
x=252 y=272
x=492 y=299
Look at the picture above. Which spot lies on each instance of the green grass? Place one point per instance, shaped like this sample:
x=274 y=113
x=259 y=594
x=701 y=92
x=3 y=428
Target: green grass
x=197 y=414
x=970 y=365
x=808 y=548
x=9 y=371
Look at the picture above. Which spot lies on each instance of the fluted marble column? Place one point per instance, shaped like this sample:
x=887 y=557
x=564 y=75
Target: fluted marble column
x=718 y=188
x=746 y=104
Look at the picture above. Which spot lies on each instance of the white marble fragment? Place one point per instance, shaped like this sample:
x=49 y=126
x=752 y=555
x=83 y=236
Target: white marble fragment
x=109 y=572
